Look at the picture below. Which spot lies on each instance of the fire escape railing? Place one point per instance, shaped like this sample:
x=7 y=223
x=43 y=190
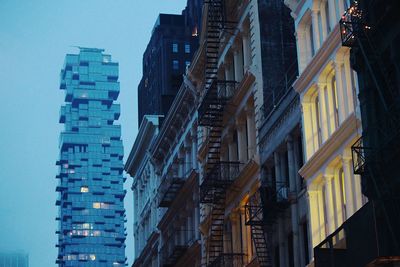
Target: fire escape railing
x=217 y=175
x=261 y=213
x=175 y=246
x=171 y=184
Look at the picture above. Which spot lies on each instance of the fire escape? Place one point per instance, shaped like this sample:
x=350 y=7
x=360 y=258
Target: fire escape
x=354 y=34
x=218 y=175
x=262 y=212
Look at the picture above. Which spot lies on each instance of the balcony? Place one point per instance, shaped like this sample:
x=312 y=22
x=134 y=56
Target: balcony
x=171 y=184
x=221 y=175
x=175 y=247
x=228 y=260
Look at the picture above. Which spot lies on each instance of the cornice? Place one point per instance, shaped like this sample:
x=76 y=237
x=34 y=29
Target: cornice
x=336 y=140
x=319 y=60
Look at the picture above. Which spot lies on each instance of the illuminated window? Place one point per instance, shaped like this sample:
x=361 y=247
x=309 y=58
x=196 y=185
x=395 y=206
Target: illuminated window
x=187 y=63
x=84 y=189
x=187 y=48
x=175 y=64
x=175 y=48
x=96 y=205
x=92 y=257
x=96 y=233
x=86 y=226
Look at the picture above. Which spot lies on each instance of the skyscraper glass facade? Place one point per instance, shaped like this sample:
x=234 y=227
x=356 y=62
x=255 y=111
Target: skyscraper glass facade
x=91 y=213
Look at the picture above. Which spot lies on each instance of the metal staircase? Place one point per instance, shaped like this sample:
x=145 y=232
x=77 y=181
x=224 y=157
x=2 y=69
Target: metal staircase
x=218 y=175
x=261 y=213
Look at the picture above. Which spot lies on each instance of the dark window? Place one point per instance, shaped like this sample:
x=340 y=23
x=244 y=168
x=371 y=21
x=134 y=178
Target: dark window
x=290 y=250
x=187 y=48
x=277 y=260
x=305 y=242
x=175 y=64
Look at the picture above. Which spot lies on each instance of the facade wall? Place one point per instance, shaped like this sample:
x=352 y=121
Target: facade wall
x=330 y=116
x=174 y=154
x=144 y=186
x=91 y=217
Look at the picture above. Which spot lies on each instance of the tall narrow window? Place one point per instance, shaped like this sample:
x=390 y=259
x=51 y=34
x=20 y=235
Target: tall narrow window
x=328 y=26
x=318 y=119
x=325 y=209
x=311 y=40
x=187 y=48
x=335 y=101
x=342 y=193
x=305 y=242
x=175 y=48
x=175 y=64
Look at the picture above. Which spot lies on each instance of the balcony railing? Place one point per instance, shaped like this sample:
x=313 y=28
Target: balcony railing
x=172 y=183
x=175 y=246
x=228 y=260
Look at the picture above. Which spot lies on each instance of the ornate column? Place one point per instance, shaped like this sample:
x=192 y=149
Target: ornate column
x=229 y=70
x=348 y=186
x=194 y=147
x=188 y=155
x=316 y=34
x=332 y=14
x=323 y=112
x=341 y=91
x=251 y=131
x=232 y=147
x=277 y=161
x=238 y=61
x=301 y=48
x=246 y=50
x=242 y=141
x=313 y=214
x=293 y=207
x=234 y=217
x=328 y=178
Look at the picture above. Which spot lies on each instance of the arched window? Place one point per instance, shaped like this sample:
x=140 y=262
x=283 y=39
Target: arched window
x=335 y=104
x=342 y=193
x=318 y=119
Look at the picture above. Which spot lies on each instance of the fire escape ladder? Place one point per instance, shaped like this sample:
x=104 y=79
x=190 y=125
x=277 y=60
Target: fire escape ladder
x=260 y=231
x=216 y=234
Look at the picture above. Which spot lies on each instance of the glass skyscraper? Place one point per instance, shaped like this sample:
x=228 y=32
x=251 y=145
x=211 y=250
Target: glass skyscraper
x=91 y=213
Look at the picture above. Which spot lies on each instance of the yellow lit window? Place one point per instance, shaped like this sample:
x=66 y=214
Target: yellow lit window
x=84 y=189
x=92 y=257
x=96 y=205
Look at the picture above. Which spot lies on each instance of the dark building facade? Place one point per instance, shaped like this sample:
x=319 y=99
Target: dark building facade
x=372 y=235
x=170 y=50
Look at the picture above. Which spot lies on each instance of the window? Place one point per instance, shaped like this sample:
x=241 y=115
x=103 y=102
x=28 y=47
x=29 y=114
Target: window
x=311 y=40
x=175 y=48
x=335 y=101
x=84 y=189
x=318 y=119
x=325 y=209
x=187 y=63
x=175 y=64
x=187 y=48
x=305 y=242
x=328 y=27
x=96 y=205
x=342 y=193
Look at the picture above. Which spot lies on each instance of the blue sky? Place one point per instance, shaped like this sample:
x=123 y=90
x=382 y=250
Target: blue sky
x=34 y=38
